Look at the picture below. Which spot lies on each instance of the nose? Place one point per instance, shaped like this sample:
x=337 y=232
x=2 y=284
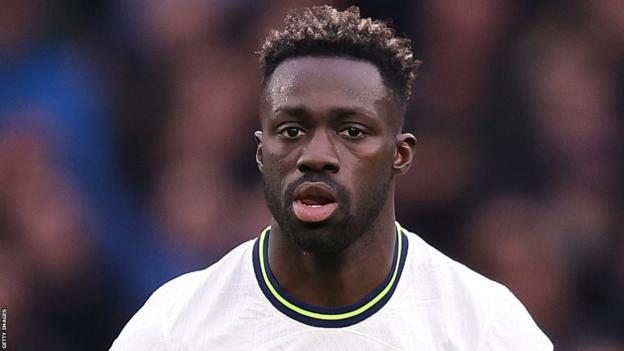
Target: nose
x=319 y=155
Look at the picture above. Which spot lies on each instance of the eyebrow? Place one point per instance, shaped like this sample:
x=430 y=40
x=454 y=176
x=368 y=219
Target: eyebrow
x=303 y=111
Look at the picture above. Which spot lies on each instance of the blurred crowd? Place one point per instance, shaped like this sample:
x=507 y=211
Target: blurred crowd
x=127 y=155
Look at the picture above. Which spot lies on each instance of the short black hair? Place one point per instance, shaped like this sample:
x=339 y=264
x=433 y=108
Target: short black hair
x=325 y=31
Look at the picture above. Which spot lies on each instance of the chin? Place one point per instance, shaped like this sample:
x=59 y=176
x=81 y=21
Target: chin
x=320 y=246
x=327 y=237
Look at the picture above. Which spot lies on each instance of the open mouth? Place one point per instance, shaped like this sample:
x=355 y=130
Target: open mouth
x=314 y=202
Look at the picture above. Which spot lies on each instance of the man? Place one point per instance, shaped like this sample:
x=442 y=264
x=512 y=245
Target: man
x=334 y=271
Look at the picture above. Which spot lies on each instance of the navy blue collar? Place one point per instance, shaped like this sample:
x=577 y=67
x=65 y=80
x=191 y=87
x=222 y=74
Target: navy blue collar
x=326 y=317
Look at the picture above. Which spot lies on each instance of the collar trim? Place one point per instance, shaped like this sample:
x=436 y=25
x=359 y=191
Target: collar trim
x=327 y=317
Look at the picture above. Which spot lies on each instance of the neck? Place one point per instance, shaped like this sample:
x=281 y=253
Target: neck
x=335 y=280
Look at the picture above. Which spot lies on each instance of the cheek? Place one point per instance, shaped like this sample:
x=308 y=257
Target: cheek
x=279 y=163
x=277 y=167
x=371 y=159
x=369 y=169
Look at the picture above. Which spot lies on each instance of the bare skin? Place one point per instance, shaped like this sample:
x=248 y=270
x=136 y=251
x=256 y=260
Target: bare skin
x=331 y=117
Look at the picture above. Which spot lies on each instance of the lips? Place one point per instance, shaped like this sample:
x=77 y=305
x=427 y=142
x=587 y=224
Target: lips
x=314 y=202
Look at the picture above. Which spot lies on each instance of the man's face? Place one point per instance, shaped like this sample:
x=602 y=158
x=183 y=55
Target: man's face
x=327 y=149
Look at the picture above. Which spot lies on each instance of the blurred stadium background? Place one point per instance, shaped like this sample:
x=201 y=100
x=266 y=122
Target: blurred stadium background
x=127 y=157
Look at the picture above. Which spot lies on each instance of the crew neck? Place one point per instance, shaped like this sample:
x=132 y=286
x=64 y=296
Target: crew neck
x=326 y=317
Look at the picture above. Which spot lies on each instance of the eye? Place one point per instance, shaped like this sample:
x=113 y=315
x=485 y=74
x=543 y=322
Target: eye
x=292 y=132
x=352 y=132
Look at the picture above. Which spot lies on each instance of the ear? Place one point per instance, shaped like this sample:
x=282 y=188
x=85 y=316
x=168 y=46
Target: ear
x=258 y=137
x=404 y=153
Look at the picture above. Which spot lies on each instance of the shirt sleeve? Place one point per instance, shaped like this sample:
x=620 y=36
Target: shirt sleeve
x=143 y=332
x=512 y=328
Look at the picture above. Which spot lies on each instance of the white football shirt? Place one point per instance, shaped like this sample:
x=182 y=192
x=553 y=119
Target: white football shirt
x=427 y=302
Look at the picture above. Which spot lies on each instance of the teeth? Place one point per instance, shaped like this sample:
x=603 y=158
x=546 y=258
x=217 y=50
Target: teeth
x=313 y=204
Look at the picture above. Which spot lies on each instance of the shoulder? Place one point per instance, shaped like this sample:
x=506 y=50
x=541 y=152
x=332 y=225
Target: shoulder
x=148 y=328
x=439 y=271
x=497 y=319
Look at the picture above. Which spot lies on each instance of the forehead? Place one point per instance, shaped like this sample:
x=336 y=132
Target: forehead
x=325 y=81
